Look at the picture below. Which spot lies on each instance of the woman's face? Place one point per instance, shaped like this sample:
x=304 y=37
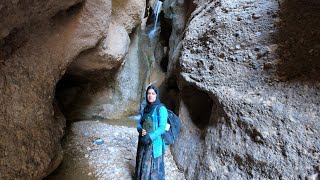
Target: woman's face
x=151 y=95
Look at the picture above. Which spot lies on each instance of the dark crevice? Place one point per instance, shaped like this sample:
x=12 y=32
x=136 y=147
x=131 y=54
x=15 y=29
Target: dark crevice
x=298 y=38
x=169 y=94
x=74 y=90
x=190 y=8
x=12 y=42
x=65 y=15
x=199 y=105
x=67 y=90
x=166 y=29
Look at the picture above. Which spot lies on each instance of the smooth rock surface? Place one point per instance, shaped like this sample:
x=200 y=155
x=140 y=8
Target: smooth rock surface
x=31 y=129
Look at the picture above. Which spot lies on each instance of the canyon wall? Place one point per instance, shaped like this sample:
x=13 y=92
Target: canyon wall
x=256 y=70
x=40 y=42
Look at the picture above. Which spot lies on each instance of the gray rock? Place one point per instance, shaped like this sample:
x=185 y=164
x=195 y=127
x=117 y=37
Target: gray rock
x=313 y=177
x=280 y=108
x=256 y=16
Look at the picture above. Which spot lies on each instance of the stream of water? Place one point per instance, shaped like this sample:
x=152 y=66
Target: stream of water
x=156 y=14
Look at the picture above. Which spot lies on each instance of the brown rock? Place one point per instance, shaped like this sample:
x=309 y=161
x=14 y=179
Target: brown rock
x=16 y=14
x=110 y=53
x=127 y=13
x=30 y=75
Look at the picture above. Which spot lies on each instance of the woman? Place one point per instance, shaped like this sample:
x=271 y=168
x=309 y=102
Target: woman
x=151 y=147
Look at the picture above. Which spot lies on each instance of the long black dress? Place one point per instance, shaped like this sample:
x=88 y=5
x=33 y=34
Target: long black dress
x=148 y=167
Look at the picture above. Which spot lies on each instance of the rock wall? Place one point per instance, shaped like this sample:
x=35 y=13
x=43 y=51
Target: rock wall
x=128 y=13
x=59 y=58
x=31 y=124
x=96 y=83
x=28 y=12
x=247 y=75
x=255 y=64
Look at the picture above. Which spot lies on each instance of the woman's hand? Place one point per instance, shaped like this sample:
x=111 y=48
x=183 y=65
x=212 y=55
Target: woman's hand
x=144 y=132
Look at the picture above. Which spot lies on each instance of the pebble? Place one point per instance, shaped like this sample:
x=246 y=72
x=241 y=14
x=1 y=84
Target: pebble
x=90 y=174
x=247 y=120
x=318 y=168
x=258 y=33
x=283 y=178
x=257 y=139
x=312 y=177
x=256 y=16
x=86 y=134
x=273 y=48
x=221 y=55
x=99 y=141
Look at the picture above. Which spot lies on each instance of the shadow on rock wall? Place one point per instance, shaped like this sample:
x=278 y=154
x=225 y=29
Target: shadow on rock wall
x=299 y=40
x=199 y=105
x=75 y=94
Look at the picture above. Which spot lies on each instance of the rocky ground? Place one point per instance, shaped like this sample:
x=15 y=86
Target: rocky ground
x=85 y=158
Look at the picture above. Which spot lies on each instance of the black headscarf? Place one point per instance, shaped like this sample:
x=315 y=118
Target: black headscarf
x=150 y=106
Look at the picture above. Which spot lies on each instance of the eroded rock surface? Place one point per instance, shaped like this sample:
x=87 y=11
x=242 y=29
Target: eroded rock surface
x=31 y=129
x=105 y=81
x=264 y=121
